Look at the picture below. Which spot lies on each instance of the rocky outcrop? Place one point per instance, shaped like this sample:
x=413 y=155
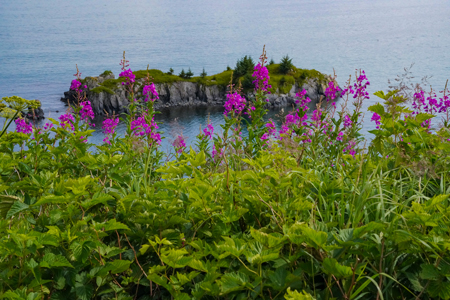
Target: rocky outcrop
x=182 y=93
x=34 y=114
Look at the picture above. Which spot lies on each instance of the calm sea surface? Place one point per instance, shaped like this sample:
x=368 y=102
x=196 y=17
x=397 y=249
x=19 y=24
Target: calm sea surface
x=41 y=41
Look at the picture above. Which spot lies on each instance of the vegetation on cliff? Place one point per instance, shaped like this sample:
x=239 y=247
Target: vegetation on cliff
x=282 y=77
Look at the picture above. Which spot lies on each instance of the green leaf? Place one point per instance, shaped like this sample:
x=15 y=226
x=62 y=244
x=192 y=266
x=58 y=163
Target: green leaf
x=197 y=265
x=51 y=260
x=111 y=225
x=429 y=272
x=84 y=291
x=16 y=208
x=370 y=227
x=316 y=239
x=6 y=202
x=295 y=295
x=331 y=267
x=439 y=289
x=235 y=281
x=377 y=108
x=118 y=266
x=102 y=198
x=52 y=199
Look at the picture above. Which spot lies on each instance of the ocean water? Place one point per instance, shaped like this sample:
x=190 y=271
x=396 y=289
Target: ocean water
x=42 y=41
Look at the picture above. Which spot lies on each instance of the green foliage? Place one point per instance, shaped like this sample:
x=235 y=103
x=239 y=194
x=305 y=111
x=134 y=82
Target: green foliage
x=106 y=73
x=170 y=72
x=286 y=65
x=182 y=74
x=189 y=74
x=203 y=74
x=100 y=89
x=291 y=220
x=244 y=66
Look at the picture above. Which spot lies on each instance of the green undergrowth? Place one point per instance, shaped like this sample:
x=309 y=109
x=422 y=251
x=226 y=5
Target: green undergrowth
x=101 y=89
x=281 y=83
x=315 y=215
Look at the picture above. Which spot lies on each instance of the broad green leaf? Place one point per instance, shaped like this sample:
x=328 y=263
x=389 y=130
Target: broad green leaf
x=111 y=225
x=429 y=272
x=51 y=260
x=52 y=199
x=6 y=202
x=331 y=267
x=377 y=108
x=16 y=208
x=118 y=266
x=231 y=282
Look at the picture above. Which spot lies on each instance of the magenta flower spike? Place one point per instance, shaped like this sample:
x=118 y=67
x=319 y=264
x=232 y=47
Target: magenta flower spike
x=235 y=104
x=150 y=93
x=23 y=126
x=209 y=130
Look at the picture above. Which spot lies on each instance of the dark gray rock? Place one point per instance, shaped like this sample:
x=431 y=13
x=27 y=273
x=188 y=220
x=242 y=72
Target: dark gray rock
x=34 y=114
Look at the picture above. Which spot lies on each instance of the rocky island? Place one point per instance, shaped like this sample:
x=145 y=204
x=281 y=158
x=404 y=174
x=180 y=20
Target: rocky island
x=108 y=96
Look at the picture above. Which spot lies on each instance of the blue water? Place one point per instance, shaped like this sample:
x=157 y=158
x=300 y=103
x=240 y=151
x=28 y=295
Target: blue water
x=42 y=41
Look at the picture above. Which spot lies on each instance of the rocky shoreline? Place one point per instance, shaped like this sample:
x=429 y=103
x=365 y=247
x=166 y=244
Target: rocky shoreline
x=181 y=93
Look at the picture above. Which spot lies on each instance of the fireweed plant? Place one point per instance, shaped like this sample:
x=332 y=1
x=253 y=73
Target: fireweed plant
x=308 y=211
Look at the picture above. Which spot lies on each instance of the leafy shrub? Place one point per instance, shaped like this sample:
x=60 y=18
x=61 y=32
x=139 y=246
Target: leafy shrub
x=306 y=212
x=170 y=71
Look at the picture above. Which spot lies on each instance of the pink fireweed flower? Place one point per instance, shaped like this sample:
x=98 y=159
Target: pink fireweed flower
x=261 y=73
x=350 y=148
x=149 y=91
x=284 y=130
x=75 y=85
x=347 y=121
x=291 y=119
x=302 y=99
x=214 y=152
x=129 y=77
x=48 y=126
x=265 y=136
x=300 y=96
x=332 y=91
x=23 y=126
x=340 y=135
x=316 y=116
x=235 y=104
x=179 y=143
x=140 y=127
x=376 y=118
x=109 y=126
x=209 y=130
x=86 y=111
x=67 y=120
x=271 y=127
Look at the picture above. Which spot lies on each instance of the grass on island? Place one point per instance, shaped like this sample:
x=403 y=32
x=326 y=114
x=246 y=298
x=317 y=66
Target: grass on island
x=281 y=83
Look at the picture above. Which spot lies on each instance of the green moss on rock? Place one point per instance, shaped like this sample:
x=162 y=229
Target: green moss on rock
x=281 y=83
x=106 y=73
x=100 y=89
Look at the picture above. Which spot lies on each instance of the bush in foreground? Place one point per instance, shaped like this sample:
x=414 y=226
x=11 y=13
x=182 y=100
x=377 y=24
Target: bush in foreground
x=310 y=211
